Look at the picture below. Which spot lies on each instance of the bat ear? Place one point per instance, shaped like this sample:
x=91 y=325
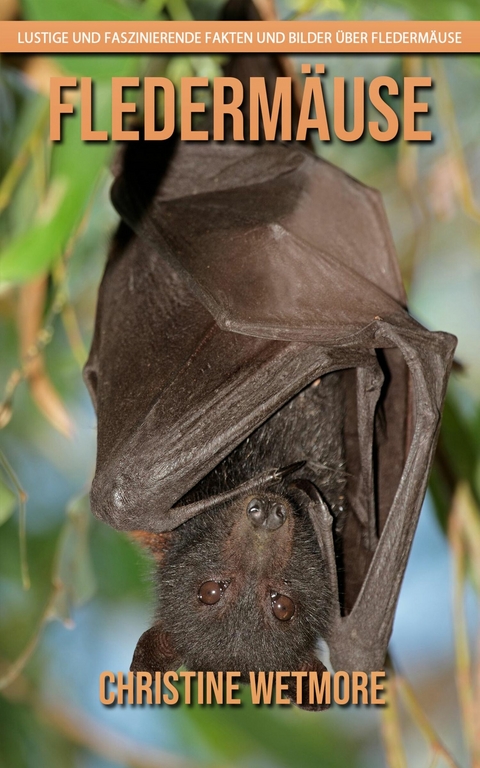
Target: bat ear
x=313 y=665
x=154 y=652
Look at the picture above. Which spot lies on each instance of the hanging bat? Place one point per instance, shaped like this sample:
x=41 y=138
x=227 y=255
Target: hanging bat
x=267 y=408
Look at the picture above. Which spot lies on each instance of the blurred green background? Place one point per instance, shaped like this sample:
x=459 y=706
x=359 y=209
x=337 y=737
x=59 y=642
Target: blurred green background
x=89 y=596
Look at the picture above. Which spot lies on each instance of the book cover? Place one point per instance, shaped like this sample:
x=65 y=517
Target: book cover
x=238 y=245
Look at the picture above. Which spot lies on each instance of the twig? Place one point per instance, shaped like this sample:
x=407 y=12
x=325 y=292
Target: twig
x=18 y=665
x=17 y=167
x=476 y=709
x=423 y=722
x=391 y=728
x=69 y=318
x=407 y=171
x=22 y=517
x=467 y=531
x=446 y=114
x=462 y=651
x=18 y=375
x=30 y=311
x=45 y=334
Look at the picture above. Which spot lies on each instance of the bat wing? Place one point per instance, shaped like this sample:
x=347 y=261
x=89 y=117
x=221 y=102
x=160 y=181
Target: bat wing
x=179 y=380
x=272 y=240
x=174 y=392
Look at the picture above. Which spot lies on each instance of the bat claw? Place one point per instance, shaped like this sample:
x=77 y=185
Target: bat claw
x=279 y=474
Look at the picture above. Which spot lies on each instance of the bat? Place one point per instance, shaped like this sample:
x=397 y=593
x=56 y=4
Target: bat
x=267 y=408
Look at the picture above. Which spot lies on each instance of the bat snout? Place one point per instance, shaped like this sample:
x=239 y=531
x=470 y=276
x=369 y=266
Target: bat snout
x=266 y=514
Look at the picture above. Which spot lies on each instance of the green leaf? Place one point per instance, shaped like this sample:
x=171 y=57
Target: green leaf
x=457 y=458
x=427 y=10
x=76 y=169
x=179 y=10
x=97 y=66
x=178 y=67
x=87 y=10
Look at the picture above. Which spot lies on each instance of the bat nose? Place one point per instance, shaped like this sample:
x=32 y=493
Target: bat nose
x=266 y=514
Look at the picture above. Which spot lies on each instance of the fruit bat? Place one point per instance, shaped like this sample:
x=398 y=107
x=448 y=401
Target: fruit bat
x=258 y=380
x=267 y=408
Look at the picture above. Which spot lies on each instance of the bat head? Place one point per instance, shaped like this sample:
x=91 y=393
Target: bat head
x=240 y=588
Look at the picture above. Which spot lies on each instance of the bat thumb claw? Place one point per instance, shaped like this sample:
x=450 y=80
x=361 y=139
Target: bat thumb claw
x=279 y=474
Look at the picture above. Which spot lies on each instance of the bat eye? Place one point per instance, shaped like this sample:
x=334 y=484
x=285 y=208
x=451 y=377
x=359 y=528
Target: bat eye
x=211 y=591
x=282 y=606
